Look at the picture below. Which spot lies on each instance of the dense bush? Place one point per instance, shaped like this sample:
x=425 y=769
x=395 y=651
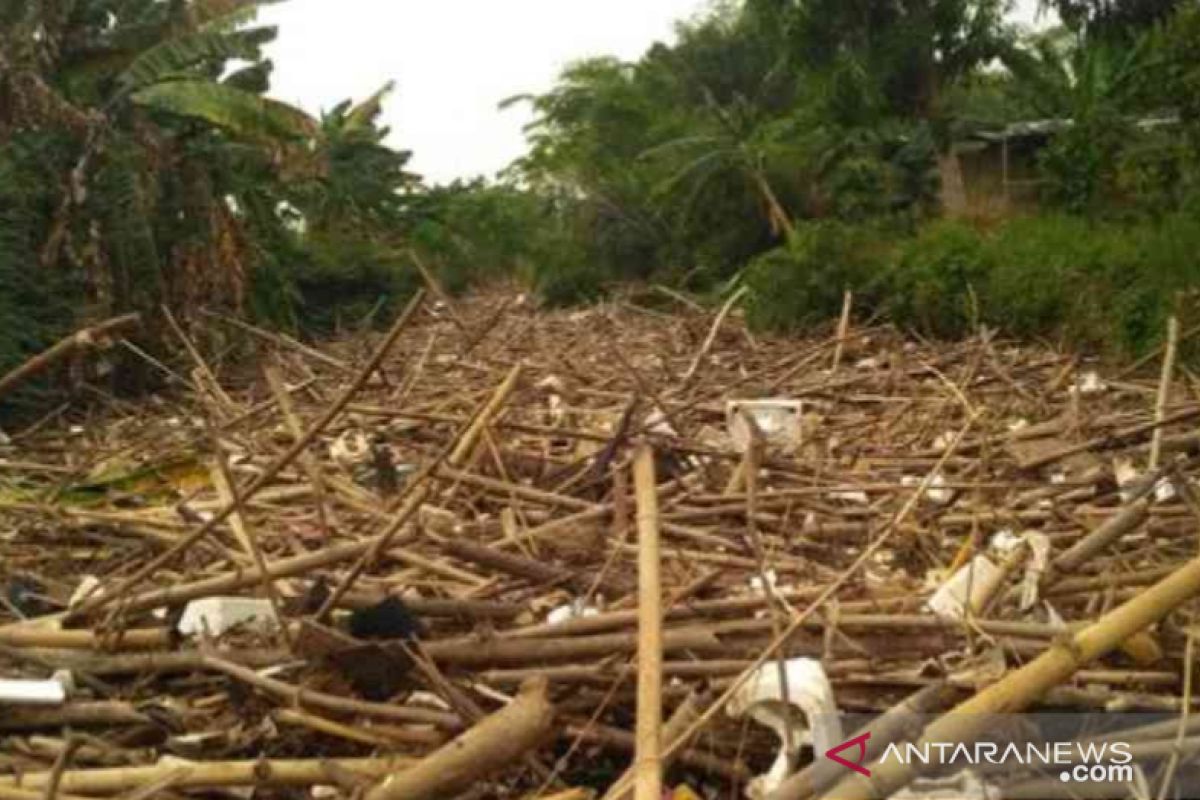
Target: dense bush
x=1102 y=286
x=804 y=282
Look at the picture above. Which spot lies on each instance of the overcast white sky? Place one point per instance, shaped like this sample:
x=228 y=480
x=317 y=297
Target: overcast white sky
x=454 y=60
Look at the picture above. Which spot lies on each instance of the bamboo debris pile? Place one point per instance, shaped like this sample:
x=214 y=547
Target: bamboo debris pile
x=509 y=552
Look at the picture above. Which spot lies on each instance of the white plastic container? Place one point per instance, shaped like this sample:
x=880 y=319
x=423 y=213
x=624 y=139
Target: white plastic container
x=813 y=719
x=778 y=420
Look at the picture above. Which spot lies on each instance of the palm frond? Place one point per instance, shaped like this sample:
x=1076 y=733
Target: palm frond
x=242 y=113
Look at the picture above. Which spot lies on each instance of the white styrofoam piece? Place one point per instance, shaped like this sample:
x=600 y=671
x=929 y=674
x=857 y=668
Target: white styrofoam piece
x=350 y=449
x=573 y=610
x=937 y=491
x=778 y=420
x=814 y=719
x=88 y=587
x=1035 y=567
x=1089 y=383
x=51 y=692
x=219 y=614
x=656 y=422
x=980 y=578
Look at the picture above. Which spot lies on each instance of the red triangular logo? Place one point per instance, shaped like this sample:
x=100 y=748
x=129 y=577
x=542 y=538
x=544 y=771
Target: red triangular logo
x=856 y=764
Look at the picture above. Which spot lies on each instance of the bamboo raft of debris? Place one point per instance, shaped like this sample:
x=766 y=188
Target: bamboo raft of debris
x=628 y=551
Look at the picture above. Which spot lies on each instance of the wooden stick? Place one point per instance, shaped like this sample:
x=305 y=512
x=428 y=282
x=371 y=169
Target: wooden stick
x=648 y=763
x=843 y=329
x=495 y=743
x=201 y=775
x=1164 y=391
x=712 y=333
x=83 y=339
x=308 y=461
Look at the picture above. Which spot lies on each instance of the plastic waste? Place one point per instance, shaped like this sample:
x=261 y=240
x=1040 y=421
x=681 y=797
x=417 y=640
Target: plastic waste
x=813 y=720
x=937 y=491
x=219 y=614
x=87 y=587
x=51 y=692
x=971 y=587
x=1089 y=383
x=778 y=420
x=573 y=610
x=350 y=449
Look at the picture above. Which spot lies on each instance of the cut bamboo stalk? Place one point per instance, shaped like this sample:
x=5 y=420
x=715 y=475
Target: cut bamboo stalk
x=498 y=741
x=1130 y=518
x=211 y=774
x=843 y=329
x=308 y=461
x=1164 y=391
x=648 y=762
x=81 y=340
x=1026 y=685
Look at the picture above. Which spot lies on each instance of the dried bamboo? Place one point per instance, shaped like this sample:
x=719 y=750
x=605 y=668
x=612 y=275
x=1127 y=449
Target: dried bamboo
x=648 y=764
x=493 y=744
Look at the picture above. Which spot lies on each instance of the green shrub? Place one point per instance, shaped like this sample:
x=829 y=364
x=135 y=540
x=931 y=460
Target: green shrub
x=344 y=282
x=803 y=282
x=937 y=280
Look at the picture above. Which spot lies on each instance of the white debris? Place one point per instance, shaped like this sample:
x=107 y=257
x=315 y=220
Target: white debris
x=1089 y=383
x=552 y=384
x=937 y=491
x=1005 y=542
x=867 y=363
x=760 y=587
x=976 y=581
x=51 y=692
x=86 y=589
x=219 y=614
x=851 y=496
x=350 y=449
x=778 y=420
x=1018 y=425
x=573 y=610
x=1035 y=567
x=555 y=411
x=656 y=422
x=945 y=440
x=809 y=693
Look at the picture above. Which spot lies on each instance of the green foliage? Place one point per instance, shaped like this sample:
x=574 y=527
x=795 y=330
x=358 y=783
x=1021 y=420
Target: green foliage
x=937 y=280
x=1106 y=287
x=243 y=113
x=346 y=283
x=803 y=282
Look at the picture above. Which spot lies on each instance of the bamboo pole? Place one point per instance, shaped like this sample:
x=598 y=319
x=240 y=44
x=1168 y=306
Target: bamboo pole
x=1164 y=391
x=200 y=775
x=498 y=741
x=81 y=340
x=648 y=763
x=1025 y=686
